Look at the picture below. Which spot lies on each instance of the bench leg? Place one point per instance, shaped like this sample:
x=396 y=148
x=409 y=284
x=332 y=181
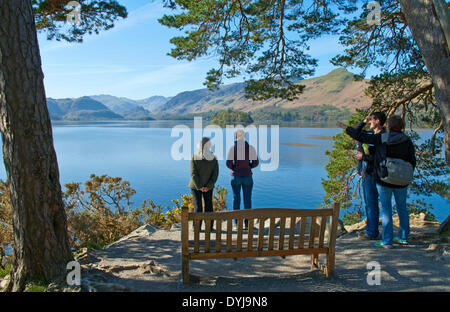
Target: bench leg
x=185 y=269
x=314 y=261
x=330 y=265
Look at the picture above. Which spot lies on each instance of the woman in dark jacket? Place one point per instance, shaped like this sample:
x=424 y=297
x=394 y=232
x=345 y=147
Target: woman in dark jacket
x=204 y=174
x=399 y=145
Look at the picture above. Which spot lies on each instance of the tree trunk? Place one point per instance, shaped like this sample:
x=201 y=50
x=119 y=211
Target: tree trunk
x=41 y=248
x=427 y=31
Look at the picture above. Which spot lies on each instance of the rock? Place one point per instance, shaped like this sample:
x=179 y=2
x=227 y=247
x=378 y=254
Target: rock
x=145 y=230
x=356 y=227
x=341 y=229
x=421 y=216
x=4 y=282
x=444 y=228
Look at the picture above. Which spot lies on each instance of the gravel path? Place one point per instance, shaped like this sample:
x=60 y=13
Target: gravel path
x=149 y=260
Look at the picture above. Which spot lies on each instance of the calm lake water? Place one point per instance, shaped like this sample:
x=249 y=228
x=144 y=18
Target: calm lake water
x=140 y=152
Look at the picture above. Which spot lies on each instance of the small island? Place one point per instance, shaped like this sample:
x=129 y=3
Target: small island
x=231 y=117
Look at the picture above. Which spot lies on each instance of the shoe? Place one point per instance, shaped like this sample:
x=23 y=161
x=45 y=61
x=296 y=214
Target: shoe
x=364 y=236
x=380 y=244
x=399 y=241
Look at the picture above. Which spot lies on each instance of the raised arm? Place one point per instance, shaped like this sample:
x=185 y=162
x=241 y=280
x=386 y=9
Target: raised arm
x=364 y=137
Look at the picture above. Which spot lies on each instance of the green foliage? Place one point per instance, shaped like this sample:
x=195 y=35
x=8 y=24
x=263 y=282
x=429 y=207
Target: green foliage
x=341 y=171
x=419 y=206
x=431 y=174
x=343 y=184
x=36 y=286
x=100 y=213
x=231 y=117
x=5 y=270
x=219 y=199
x=96 y=15
x=322 y=113
x=266 y=40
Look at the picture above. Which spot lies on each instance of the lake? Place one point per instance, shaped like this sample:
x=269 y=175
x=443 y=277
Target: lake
x=142 y=153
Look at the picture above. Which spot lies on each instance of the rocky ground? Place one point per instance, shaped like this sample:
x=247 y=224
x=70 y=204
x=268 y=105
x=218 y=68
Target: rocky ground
x=149 y=260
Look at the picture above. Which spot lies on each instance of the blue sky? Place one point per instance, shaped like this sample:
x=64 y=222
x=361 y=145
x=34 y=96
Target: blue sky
x=131 y=59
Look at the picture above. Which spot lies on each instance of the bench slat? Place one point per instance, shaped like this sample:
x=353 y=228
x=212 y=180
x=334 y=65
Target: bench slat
x=196 y=235
x=292 y=232
x=301 y=243
x=260 y=213
x=250 y=234
x=323 y=224
x=239 y=236
x=271 y=233
x=229 y=234
x=218 y=235
x=312 y=232
x=261 y=234
x=281 y=235
x=207 y=235
x=256 y=253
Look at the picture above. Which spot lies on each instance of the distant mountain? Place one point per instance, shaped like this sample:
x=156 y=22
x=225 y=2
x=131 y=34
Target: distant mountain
x=84 y=108
x=117 y=104
x=153 y=103
x=137 y=113
x=120 y=105
x=338 y=89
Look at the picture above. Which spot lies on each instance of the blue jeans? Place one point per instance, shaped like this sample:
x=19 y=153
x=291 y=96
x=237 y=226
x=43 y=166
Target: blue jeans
x=246 y=183
x=400 y=195
x=371 y=204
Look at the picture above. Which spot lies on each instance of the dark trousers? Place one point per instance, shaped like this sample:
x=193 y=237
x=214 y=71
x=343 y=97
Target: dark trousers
x=246 y=184
x=198 y=203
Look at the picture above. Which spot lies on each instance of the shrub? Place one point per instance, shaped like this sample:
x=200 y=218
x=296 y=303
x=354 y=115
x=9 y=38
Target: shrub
x=100 y=212
x=219 y=199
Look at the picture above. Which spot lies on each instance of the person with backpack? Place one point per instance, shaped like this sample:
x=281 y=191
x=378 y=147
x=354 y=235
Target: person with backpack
x=241 y=159
x=204 y=174
x=365 y=168
x=394 y=163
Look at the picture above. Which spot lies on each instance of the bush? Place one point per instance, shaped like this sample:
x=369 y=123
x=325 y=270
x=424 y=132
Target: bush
x=100 y=213
x=219 y=199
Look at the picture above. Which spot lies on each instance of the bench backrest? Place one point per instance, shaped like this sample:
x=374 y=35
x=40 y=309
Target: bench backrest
x=300 y=231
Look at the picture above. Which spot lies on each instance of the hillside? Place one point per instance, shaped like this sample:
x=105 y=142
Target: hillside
x=84 y=108
x=137 y=113
x=338 y=89
x=333 y=95
x=120 y=105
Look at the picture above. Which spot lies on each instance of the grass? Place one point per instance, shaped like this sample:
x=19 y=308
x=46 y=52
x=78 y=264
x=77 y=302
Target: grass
x=5 y=272
x=36 y=286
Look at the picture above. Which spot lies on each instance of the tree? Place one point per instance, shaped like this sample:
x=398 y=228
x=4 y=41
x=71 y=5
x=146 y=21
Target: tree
x=429 y=34
x=410 y=48
x=41 y=248
x=269 y=39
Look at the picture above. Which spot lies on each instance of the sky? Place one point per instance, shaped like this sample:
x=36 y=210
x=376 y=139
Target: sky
x=131 y=59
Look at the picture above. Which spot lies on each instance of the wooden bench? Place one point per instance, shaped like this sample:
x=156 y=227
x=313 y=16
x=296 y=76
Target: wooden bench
x=305 y=234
